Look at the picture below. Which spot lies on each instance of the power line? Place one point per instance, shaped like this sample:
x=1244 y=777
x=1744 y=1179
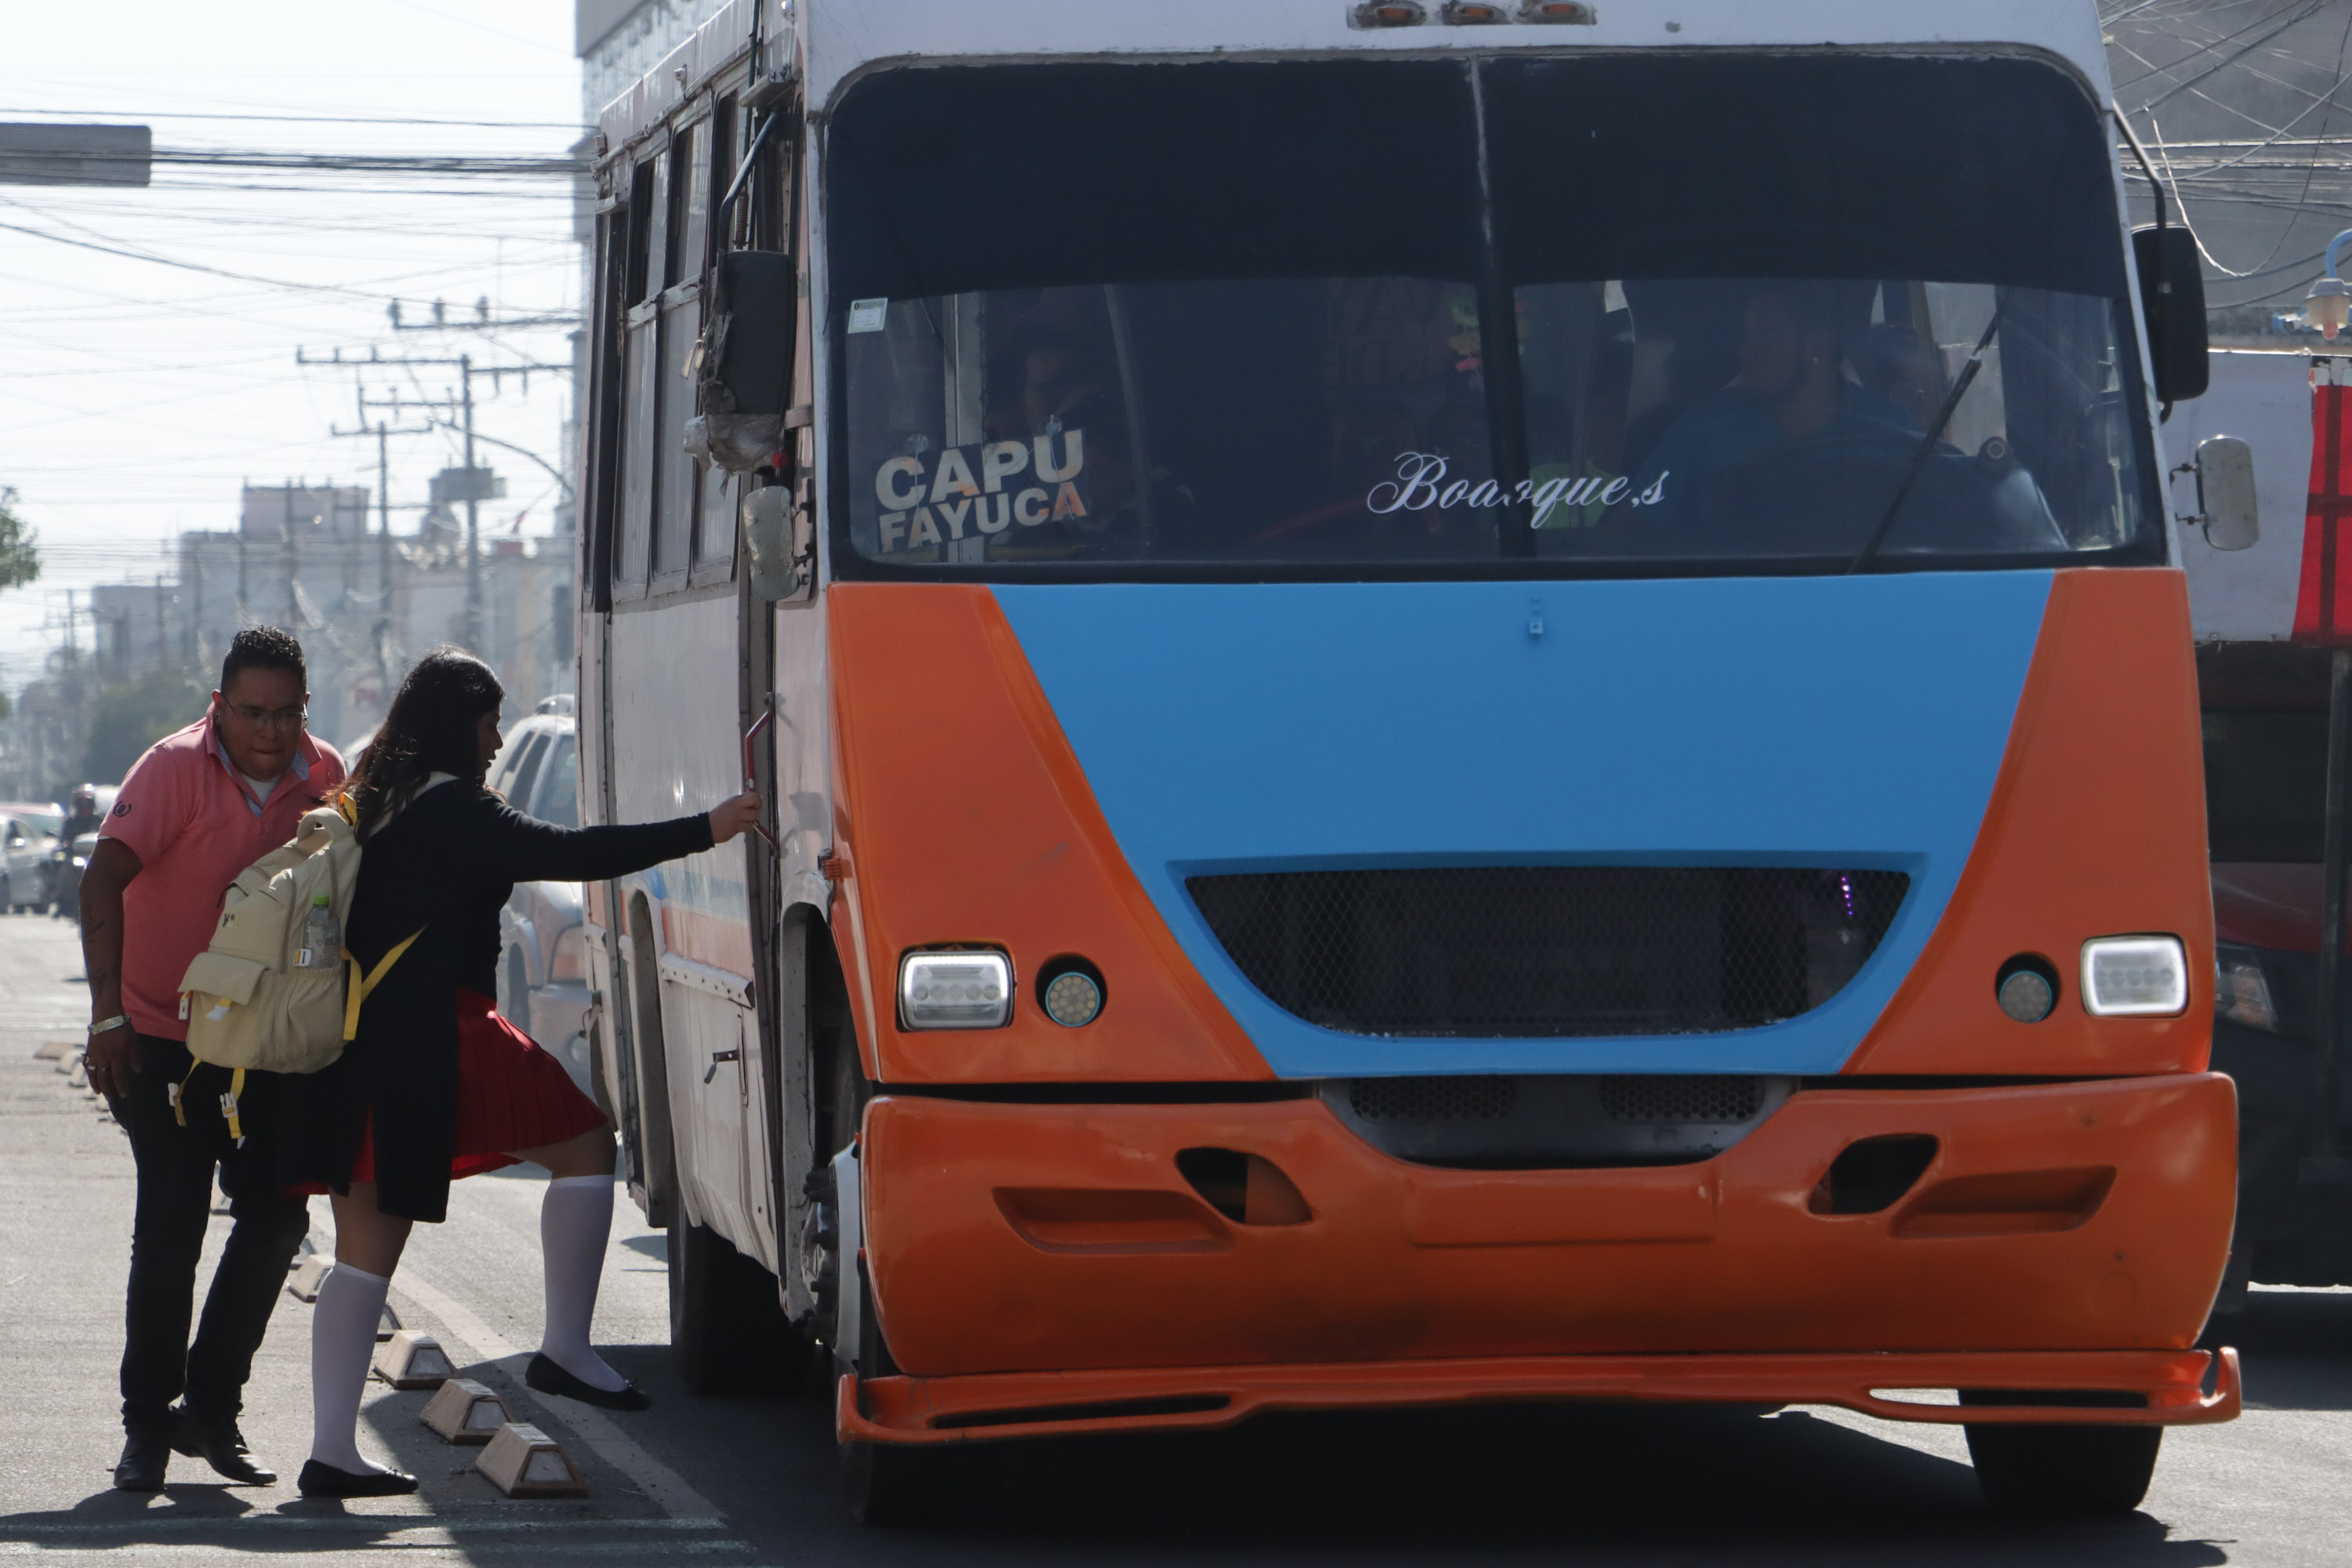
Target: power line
x=308 y=118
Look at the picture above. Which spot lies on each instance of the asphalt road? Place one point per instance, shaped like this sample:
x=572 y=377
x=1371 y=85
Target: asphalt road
x=750 y=1480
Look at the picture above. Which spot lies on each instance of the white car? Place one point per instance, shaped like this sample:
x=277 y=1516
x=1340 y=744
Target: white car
x=542 y=971
x=28 y=837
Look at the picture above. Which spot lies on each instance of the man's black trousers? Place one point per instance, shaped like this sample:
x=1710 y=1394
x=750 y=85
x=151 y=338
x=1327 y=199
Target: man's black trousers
x=175 y=1190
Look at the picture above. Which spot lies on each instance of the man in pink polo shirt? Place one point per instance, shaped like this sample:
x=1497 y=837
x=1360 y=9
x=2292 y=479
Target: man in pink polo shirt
x=198 y=808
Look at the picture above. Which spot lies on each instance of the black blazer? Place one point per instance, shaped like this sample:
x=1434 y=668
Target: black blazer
x=445 y=865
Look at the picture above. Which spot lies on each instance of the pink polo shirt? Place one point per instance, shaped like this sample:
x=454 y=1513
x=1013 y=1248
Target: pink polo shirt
x=194 y=825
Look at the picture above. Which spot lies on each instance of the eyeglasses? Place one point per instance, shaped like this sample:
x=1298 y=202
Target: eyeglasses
x=269 y=718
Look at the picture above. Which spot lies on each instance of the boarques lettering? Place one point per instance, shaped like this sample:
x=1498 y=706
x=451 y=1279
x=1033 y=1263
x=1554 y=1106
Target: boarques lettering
x=1421 y=484
x=981 y=491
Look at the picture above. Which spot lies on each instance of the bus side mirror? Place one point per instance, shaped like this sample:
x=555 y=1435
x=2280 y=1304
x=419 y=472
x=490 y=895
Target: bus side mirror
x=2225 y=493
x=2172 y=293
x=781 y=538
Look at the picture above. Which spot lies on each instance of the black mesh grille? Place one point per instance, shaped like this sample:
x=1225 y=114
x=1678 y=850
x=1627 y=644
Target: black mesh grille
x=1431 y=1098
x=1538 y=951
x=1700 y=1097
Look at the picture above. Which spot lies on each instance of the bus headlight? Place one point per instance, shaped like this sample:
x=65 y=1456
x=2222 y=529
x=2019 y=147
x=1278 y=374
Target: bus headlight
x=965 y=990
x=2134 y=976
x=2242 y=991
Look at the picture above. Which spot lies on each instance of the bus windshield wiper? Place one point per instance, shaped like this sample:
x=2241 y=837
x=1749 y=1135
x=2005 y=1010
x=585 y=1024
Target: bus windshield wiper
x=1918 y=464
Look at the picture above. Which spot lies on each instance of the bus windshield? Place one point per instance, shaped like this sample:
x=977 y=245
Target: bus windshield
x=1613 y=314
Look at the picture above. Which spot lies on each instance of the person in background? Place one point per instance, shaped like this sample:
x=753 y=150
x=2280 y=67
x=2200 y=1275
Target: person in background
x=436 y=1085
x=82 y=819
x=196 y=810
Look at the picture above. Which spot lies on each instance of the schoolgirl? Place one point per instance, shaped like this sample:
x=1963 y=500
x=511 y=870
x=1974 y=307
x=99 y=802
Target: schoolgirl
x=436 y=1085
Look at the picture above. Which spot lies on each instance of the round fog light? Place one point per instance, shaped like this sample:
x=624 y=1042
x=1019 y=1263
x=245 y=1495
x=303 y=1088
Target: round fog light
x=2027 y=993
x=1073 y=998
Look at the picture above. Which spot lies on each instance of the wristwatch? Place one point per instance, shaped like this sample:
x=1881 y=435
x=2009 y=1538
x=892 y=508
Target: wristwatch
x=104 y=1025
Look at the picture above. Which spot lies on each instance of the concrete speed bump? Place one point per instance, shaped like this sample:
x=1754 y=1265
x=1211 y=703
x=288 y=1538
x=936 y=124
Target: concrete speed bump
x=523 y=1461
x=413 y=1360
x=54 y=1050
x=387 y=1325
x=308 y=1275
x=464 y=1410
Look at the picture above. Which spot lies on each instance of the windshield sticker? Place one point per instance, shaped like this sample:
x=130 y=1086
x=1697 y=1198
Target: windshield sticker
x=981 y=491
x=1561 y=500
x=869 y=315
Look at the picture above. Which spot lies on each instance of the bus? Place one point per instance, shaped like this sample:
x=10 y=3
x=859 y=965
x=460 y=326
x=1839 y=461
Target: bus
x=1461 y=703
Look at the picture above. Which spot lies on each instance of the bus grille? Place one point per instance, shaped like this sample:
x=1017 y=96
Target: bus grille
x=1538 y=951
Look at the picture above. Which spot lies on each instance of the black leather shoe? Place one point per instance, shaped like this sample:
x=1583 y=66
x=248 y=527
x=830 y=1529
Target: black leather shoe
x=319 y=1479
x=216 y=1440
x=546 y=1376
x=140 y=1468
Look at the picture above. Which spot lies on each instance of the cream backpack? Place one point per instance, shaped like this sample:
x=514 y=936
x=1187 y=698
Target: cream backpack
x=256 y=999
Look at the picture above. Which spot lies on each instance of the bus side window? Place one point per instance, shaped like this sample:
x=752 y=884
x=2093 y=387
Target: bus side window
x=679 y=483
x=639 y=376
x=714 y=542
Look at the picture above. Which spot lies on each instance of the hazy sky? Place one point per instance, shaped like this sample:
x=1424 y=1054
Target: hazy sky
x=135 y=397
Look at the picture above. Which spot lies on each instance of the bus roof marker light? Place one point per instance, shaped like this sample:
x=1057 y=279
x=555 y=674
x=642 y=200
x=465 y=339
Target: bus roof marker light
x=955 y=990
x=1569 y=12
x=1473 y=14
x=1388 y=13
x=2134 y=976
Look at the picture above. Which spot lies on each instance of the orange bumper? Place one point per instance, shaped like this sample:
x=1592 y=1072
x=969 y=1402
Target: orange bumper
x=2079 y=1230
x=1047 y=1404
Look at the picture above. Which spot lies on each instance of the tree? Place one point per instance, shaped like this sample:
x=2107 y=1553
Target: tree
x=129 y=718
x=20 y=562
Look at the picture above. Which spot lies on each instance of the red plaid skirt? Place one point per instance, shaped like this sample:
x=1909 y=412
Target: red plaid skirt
x=510 y=1095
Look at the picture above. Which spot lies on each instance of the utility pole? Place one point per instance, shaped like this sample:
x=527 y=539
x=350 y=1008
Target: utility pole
x=293 y=565
x=383 y=433
x=473 y=516
x=466 y=371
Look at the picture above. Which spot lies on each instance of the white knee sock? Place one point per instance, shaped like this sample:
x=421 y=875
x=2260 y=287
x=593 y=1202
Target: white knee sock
x=574 y=1220
x=342 y=1340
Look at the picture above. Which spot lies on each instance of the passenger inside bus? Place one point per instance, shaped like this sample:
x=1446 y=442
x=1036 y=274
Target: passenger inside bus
x=1794 y=385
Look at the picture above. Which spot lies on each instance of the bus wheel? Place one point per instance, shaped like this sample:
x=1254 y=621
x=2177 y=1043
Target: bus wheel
x=727 y=1327
x=2064 y=1469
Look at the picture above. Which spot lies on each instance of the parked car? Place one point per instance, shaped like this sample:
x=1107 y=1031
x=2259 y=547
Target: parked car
x=28 y=837
x=542 y=973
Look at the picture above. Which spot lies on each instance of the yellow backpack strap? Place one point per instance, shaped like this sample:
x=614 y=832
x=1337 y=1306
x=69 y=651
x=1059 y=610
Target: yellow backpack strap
x=179 y=1113
x=228 y=1104
x=357 y=990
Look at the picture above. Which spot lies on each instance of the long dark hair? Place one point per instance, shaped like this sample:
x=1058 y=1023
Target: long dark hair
x=430 y=729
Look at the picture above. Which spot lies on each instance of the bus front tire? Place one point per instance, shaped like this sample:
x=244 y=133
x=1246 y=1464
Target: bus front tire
x=2064 y=1469
x=727 y=1327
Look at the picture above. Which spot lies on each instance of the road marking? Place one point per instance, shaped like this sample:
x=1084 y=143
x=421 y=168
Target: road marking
x=408 y=1551
x=667 y=1489
x=180 y=1523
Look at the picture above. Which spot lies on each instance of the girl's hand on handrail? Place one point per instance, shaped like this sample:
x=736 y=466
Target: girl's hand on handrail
x=731 y=818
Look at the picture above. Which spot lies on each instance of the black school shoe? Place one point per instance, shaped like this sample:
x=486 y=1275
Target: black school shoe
x=140 y=1468
x=547 y=1377
x=319 y=1479
x=214 y=1440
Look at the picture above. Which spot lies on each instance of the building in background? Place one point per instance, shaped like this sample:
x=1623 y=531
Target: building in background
x=363 y=603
